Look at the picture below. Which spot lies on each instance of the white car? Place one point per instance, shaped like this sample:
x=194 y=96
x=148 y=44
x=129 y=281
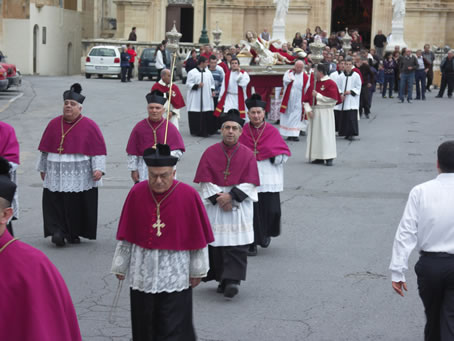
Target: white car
x=103 y=60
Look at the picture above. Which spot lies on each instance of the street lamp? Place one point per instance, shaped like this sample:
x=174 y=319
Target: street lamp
x=204 y=36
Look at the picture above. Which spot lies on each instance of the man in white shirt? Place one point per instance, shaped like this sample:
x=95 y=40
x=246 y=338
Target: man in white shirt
x=428 y=222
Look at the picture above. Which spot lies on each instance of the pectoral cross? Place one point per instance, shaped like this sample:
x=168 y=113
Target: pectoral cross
x=159 y=225
x=155 y=139
x=226 y=173
x=60 y=149
x=255 y=149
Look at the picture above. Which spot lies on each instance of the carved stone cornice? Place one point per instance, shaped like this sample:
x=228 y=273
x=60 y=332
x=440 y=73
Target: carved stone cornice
x=180 y=2
x=142 y=3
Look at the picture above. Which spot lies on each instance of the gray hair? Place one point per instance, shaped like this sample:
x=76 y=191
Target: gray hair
x=163 y=71
x=222 y=126
x=451 y=51
x=348 y=59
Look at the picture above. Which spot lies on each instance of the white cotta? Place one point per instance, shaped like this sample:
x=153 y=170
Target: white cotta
x=154 y=271
x=336 y=77
x=70 y=172
x=272 y=174
x=351 y=83
x=194 y=97
x=291 y=121
x=236 y=79
x=234 y=227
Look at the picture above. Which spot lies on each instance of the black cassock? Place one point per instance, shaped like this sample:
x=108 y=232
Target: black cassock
x=348 y=125
x=75 y=214
x=267 y=217
x=162 y=316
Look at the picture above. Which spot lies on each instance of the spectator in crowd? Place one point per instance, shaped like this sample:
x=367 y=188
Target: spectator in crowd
x=298 y=40
x=389 y=66
x=124 y=63
x=132 y=55
x=380 y=42
x=430 y=57
x=368 y=81
x=447 y=74
x=191 y=62
x=324 y=37
x=159 y=60
x=420 y=75
x=408 y=65
x=206 y=51
x=265 y=35
x=333 y=42
x=380 y=75
x=132 y=35
x=218 y=76
x=356 y=42
x=374 y=59
x=396 y=58
x=232 y=50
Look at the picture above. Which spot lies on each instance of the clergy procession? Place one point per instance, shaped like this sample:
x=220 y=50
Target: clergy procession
x=210 y=193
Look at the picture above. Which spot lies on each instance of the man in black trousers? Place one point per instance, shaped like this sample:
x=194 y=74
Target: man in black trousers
x=428 y=222
x=447 y=74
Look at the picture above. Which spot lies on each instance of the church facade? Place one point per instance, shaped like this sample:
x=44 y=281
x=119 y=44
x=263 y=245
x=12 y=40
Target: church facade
x=430 y=21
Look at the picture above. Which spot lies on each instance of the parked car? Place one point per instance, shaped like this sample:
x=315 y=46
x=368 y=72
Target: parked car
x=12 y=74
x=103 y=60
x=147 y=66
x=3 y=79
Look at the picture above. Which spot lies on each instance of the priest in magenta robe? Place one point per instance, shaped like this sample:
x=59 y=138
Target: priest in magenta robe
x=321 y=137
x=162 y=236
x=229 y=177
x=9 y=149
x=35 y=302
x=271 y=153
x=148 y=133
x=72 y=163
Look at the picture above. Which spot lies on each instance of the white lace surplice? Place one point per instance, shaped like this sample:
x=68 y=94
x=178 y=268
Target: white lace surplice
x=234 y=227
x=272 y=174
x=155 y=271
x=70 y=172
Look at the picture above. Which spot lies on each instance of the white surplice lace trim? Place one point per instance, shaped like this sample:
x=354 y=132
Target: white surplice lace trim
x=155 y=271
x=70 y=172
x=15 y=203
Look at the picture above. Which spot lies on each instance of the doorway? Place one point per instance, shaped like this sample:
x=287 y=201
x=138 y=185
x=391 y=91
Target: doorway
x=35 y=49
x=354 y=14
x=183 y=15
x=69 y=59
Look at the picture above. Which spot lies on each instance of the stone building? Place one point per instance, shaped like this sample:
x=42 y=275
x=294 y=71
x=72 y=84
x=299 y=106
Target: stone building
x=44 y=36
x=429 y=21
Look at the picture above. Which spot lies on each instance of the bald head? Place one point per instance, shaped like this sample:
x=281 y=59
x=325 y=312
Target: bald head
x=165 y=76
x=299 y=66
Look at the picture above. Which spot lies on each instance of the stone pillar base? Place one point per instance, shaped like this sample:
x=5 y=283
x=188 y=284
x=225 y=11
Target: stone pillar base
x=279 y=33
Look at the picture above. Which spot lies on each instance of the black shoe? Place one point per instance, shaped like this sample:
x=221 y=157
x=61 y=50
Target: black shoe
x=278 y=122
x=350 y=138
x=73 y=240
x=423 y=98
x=367 y=116
x=428 y=90
x=449 y=96
x=252 y=251
x=58 y=239
x=266 y=242
x=402 y=100
x=329 y=162
x=408 y=100
x=318 y=161
x=221 y=287
x=231 y=290
x=438 y=96
x=417 y=98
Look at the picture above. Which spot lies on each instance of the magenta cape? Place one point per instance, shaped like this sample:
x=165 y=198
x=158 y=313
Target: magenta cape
x=187 y=226
x=142 y=137
x=212 y=165
x=9 y=147
x=270 y=143
x=85 y=138
x=35 y=302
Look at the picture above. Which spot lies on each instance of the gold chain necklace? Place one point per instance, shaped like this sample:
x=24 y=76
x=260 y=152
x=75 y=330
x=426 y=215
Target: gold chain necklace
x=258 y=138
x=7 y=244
x=155 y=137
x=63 y=133
x=160 y=224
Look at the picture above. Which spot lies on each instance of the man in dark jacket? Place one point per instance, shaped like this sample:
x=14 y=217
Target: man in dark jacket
x=407 y=66
x=132 y=35
x=368 y=81
x=447 y=74
x=124 y=63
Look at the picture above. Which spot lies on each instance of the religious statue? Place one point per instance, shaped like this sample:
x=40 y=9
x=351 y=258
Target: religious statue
x=264 y=57
x=281 y=12
x=398 y=10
